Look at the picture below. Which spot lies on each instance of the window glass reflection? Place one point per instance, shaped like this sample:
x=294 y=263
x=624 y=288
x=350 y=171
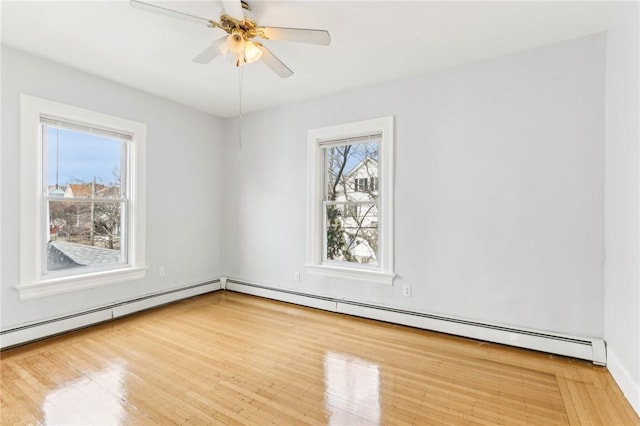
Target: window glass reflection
x=98 y=396
x=352 y=389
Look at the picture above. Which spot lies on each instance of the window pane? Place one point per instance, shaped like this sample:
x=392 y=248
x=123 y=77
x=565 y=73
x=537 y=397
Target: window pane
x=82 y=165
x=352 y=233
x=350 y=172
x=84 y=234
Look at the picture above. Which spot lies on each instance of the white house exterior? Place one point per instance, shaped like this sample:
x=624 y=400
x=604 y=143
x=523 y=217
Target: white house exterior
x=357 y=200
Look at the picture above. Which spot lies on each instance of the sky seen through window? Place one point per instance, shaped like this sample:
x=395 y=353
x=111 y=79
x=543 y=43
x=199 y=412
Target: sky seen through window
x=79 y=157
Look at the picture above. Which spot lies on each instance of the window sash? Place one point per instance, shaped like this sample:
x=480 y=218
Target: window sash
x=356 y=182
x=354 y=202
x=85 y=200
x=352 y=140
x=346 y=204
x=123 y=250
x=91 y=129
x=124 y=150
x=124 y=199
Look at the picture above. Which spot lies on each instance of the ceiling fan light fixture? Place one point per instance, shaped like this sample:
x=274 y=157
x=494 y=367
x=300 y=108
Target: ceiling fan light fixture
x=245 y=51
x=251 y=52
x=236 y=42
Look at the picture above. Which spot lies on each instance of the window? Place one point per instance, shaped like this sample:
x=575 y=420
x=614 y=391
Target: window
x=82 y=198
x=373 y=184
x=351 y=198
x=352 y=210
x=366 y=184
x=361 y=184
x=85 y=201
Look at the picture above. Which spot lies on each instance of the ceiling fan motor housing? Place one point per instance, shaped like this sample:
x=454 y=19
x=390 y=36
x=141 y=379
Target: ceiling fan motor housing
x=247 y=28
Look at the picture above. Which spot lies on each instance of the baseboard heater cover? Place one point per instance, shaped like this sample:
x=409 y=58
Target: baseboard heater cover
x=591 y=349
x=48 y=328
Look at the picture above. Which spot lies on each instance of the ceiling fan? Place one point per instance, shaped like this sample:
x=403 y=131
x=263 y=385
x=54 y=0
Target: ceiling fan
x=241 y=31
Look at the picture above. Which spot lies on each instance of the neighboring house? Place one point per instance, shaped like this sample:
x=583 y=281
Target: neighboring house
x=56 y=190
x=359 y=213
x=64 y=255
x=91 y=190
x=71 y=218
x=89 y=223
x=363 y=178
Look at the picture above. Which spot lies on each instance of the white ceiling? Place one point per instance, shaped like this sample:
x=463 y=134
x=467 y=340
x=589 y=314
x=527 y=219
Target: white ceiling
x=372 y=41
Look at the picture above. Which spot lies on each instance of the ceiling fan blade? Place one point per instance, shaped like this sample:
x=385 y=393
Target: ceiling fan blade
x=148 y=7
x=210 y=53
x=233 y=8
x=274 y=63
x=300 y=35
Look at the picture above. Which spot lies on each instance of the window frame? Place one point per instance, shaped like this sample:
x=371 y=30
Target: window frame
x=383 y=272
x=34 y=280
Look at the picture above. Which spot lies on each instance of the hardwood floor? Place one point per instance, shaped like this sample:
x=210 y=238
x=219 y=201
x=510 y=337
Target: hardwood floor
x=228 y=358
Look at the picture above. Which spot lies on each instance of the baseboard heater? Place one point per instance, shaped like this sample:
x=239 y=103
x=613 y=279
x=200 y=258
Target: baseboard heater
x=43 y=329
x=591 y=349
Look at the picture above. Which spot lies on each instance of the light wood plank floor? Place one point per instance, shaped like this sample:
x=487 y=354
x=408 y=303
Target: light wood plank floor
x=228 y=358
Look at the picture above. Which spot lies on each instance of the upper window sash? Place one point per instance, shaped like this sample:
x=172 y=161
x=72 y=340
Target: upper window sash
x=125 y=139
x=350 y=140
x=91 y=129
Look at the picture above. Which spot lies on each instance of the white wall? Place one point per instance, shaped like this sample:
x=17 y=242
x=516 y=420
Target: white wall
x=622 y=185
x=183 y=185
x=500 y=186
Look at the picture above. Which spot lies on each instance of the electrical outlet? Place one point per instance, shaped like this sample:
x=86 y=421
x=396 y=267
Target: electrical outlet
x=161 y=271
x=406 y=290
x=296 y=276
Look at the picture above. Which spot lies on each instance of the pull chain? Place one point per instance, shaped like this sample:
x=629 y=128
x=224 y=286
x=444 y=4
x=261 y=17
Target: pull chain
x=240 y=111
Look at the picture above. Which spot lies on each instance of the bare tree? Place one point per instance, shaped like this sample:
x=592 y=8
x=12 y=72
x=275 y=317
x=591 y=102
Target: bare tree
x=107 y=214
x=337 y=162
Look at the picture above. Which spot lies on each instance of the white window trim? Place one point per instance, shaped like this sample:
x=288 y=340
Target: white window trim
x=32 y=282
x=383 y=273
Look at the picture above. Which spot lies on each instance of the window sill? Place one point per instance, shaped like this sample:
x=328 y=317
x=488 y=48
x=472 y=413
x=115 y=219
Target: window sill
x=352 y=273
x=59 y=285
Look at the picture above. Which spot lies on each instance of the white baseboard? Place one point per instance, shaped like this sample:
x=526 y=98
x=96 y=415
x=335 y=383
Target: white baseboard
x=164 y=298
x=33 y=332
x=629 y=387
x=41 y=329
x=591 y=349
x=295 y=298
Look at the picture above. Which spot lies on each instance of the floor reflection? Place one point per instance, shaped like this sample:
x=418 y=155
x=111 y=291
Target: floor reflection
x=352 y=390
x=94 y=399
